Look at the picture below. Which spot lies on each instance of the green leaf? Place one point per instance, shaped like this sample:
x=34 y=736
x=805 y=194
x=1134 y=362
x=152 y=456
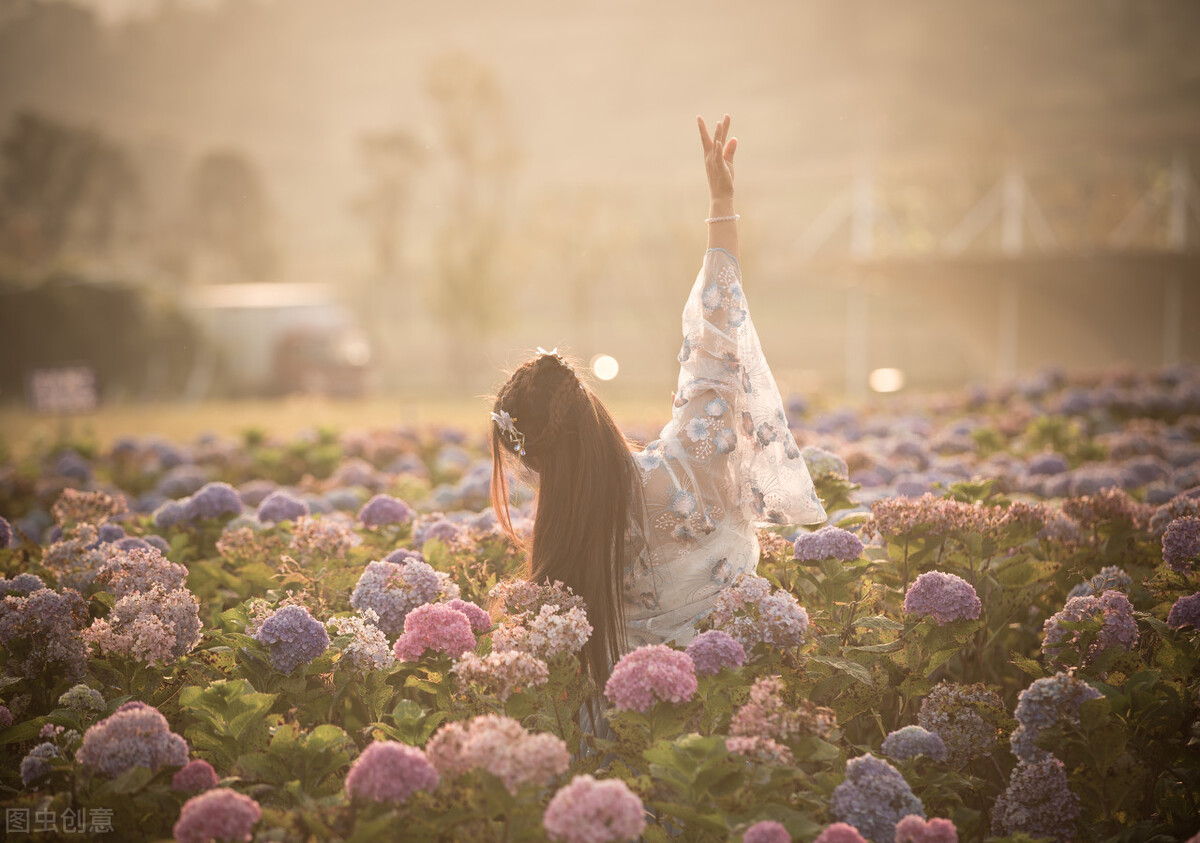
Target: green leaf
x=846 y=666
x=878 y=622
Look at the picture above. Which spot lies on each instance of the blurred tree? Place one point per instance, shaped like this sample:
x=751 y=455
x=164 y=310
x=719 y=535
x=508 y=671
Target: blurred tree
x=229 y=221
x=477 y=139
x=390 y=160
x=64 y=189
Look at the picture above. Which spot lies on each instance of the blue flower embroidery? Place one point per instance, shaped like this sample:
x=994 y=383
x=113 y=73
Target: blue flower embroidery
x=697 y=429
x=683 y=503
x=716 y=407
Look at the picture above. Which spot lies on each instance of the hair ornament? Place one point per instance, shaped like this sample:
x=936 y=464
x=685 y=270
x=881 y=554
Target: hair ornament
x=505 y=421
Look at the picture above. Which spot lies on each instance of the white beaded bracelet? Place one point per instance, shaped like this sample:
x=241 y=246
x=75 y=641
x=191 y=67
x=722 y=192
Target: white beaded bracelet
x=731 y=218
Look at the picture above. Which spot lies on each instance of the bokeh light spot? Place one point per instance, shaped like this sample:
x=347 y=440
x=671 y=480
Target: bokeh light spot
x=886 y=380
x=605 y=367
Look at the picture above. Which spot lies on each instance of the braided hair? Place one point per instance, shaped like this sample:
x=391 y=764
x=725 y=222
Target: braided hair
x=585 y=493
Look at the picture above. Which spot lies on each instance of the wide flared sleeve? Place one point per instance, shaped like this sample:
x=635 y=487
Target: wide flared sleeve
x=728 y=431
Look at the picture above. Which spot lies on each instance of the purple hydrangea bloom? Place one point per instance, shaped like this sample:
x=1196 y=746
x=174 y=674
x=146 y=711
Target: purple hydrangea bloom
x=1181 y=543
x=1041 y=705
x=943 y=597
x=1037 y=802
x=382 y=510
x=751 y=612
x=822 y=463
x=140 y=570
x=1185 y=612
x=714 y=650
x=388 y=771
x=651 y=674
x=1047 y=464
x=1112 y=608
x=109 y=533
x=293 y=636
x=964 y=717
x=195 y=776
x=6 y=717
x=911 y=741
x=393 y=590
x=480 y=620
x=829 y=542
x=171 y=512
x=254 y=492
x=441 y=529
x=136 y=735
x=213 y=500
x=1110 y=577
x=873 y=798
x=280 y=506
x=6 y=533
x=36 y=765
x=218 y=814
x=44 y=629
x=133 y=543
x=21 y=585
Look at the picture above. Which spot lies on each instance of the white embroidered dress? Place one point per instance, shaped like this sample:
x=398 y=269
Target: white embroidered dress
x=725 y=464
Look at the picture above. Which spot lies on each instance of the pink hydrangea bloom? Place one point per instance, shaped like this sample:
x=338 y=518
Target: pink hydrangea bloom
x=840 y=833
x=591 y=811
x=650 y=674
x=914 y=829
x=767 y=831
x=502 y=673
x=480 y=621
x=713 y=650
x=501 y=746
x=196 y=776
x=218 y=814
x=388 y=771
x=434 y=626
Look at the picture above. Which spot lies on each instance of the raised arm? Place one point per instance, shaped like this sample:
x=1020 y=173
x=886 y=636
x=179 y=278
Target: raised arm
x=718 y=163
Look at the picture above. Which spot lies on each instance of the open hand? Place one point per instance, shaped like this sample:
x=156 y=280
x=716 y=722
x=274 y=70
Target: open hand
x=718 y=158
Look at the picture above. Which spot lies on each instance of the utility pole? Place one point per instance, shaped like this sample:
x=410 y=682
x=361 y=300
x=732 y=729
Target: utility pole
x=862 y=247
x=1012 y=244
x=1176 y=242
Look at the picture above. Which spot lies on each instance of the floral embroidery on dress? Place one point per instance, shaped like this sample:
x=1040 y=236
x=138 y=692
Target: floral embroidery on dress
x=724 y=464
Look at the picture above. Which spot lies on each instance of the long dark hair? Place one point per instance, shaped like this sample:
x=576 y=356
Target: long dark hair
x=585 y=493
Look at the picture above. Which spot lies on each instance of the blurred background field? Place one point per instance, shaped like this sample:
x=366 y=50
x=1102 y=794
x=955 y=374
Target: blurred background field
x=392 y=203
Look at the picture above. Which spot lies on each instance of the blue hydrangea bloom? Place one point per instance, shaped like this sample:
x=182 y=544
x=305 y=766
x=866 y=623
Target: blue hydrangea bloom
x=293 y=636
x=1041 y=705
x=873 y=798
x=280 y=506
x=382 y=510
x=36 y=764
x=912 y=741
x=214 y=500
x=169 y=514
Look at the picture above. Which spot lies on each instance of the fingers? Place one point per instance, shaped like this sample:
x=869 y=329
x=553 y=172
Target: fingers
x=730 y=148
x=705 y=141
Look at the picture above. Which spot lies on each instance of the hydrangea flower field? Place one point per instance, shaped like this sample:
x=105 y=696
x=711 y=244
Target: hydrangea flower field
x=995 y=637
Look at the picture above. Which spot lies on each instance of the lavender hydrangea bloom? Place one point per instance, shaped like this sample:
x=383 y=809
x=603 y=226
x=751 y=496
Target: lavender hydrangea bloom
x=943 y=597
x=715 y=650
x=21 y=585
x=109 y=533
x=171 y=512
x=441 y=529
x=1181 y=543
x=6 y=533
x=280 y=506
x=36 y=765
x=383 y=510
x=140 y=570
x=393 y=590
x=397 y=556
x=388 y=771
x=911 y=741
x=1045 y=702
x=965 y=718
x=153 y=627
x=41 y=630
x=1185 y=612
x=218 y=814
x=829 y=542
x=213 y=500
x=293 y=636
x=873 y=798
x=1048 y=464
x=1118 y=629
x=1037 y=802
x=751 y=613
x=136 y=735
